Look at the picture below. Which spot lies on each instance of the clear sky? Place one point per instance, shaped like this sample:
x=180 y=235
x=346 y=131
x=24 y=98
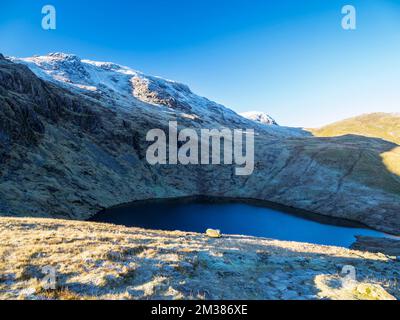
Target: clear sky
x=291 y=59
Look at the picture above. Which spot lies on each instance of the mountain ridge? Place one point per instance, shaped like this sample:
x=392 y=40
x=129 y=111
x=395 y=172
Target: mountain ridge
x=122 y=87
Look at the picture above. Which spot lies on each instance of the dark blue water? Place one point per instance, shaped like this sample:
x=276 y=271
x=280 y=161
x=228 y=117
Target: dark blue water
x=235 y=218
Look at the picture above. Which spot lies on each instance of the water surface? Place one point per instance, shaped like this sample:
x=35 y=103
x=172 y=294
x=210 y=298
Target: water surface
x=236 y=218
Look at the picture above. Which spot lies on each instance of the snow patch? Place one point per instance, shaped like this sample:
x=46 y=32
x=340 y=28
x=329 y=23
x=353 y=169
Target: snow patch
x=259 y=116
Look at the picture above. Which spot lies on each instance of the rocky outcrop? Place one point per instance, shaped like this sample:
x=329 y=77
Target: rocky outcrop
x=99 y=261
x=69 y=150
x=383 y=245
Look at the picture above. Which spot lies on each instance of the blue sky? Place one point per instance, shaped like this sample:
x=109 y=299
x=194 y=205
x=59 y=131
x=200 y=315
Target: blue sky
x=291 y=59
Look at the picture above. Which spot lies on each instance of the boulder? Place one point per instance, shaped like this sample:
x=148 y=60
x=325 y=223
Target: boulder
x=213 y=233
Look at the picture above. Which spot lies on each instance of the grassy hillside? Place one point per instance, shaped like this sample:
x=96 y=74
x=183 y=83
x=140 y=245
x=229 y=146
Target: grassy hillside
x=100 y=261
x=385 y=126
x=376 y=125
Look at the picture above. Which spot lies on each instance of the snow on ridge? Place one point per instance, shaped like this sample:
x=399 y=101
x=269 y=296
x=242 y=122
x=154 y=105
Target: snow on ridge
x=71 y=71
x=259 y=116
x=121 y=87
x=110 y=80
x=58 y=63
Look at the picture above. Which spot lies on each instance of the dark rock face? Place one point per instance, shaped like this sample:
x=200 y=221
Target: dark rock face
x=389 y=247
x=158 y=93
x=26 y=99
x=69 y=155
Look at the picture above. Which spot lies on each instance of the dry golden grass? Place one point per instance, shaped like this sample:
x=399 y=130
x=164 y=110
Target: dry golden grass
x=100 y=261
x=376 y=125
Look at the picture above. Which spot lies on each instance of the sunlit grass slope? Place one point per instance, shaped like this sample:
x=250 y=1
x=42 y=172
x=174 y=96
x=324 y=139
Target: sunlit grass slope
x=385 y=126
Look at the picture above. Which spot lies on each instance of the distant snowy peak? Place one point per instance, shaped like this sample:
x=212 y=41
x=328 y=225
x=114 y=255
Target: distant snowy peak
x=259 y=116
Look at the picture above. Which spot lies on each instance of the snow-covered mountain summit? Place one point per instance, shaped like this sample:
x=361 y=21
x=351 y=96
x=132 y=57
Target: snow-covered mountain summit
x=120 y=86
x=259 y=116
x=123 y=88
x=104 y=78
